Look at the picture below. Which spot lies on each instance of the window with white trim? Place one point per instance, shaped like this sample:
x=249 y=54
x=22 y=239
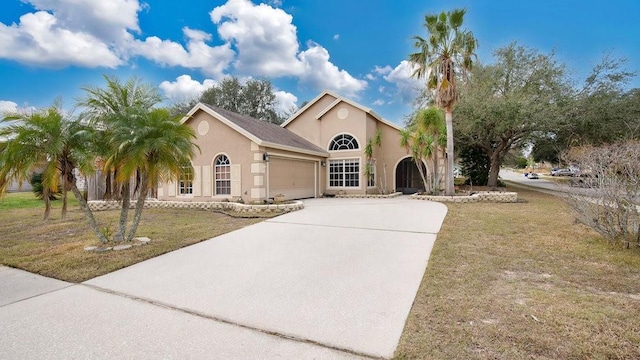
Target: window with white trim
x=344 y=173
x=343 y=142
x=223 y=175
x=185 y=181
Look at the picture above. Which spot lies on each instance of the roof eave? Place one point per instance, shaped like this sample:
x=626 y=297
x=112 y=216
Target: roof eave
x=294 y=149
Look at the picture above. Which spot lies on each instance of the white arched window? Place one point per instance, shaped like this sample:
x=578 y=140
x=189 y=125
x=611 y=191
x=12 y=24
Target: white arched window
x=223 y=175
x=343 y=142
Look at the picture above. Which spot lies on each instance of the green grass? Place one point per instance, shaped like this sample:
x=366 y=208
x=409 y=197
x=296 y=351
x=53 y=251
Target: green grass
x=20 y=200
x=55 y=247
x=523 y=281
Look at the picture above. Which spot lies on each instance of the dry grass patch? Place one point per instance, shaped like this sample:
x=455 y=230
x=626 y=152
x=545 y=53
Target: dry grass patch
x=55 y=248
x=523 y=281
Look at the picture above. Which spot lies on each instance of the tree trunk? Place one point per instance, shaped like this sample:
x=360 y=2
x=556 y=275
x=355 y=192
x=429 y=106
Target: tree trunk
x=47 y=201
x=65 y=187
x=108 y=186
x=436 y=168
x=124 y=212
x=87 y=212
x=64 y=203
x=144 y=184
x=449 y=189
x=495 y=160
x=494 y=170
x=421 y=169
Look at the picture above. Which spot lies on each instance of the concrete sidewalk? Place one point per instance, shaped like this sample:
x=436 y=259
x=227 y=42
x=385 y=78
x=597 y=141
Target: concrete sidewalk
x=335 y=280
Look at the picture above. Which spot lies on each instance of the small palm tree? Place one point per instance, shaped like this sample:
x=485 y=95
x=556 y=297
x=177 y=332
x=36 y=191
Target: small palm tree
x=49 y=141
x=154 y=147
x=108 y=109
x=423 y=139
x=446 y=53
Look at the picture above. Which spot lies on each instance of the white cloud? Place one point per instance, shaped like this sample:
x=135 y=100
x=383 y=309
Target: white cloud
x=39 y=39
x=408 y=86
x=257 y=40
x=264 y=37
x=7 y=107
x=267 y=44
x=93 y=33
x=285 y=102
x=336 y=37
x=379 y=102
x=185 y=88
x=383 y=70
x=105 y=20
x=320 y=73
x=212 y=61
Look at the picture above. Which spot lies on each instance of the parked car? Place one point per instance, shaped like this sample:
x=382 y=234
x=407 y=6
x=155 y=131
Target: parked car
x=563 y=172
x=534 y=176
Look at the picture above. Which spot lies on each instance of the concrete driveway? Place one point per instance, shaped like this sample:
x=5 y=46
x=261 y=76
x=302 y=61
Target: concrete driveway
x=335 y=280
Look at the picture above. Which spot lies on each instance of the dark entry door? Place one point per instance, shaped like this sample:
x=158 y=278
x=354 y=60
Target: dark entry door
x=408 y=179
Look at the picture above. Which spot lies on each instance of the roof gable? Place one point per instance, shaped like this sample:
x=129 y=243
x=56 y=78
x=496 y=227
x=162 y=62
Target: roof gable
x=260 y=132
x=338 y=99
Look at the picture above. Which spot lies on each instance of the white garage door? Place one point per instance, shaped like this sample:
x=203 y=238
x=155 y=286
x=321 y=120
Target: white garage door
x=293 y=178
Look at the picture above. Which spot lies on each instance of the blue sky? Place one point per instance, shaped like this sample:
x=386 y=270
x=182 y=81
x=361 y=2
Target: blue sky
x=52 y=48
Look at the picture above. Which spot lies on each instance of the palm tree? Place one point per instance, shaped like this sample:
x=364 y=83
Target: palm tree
x=430 y=122
x=108 y=109
x=47 y=140
x=447 y=52
x=423 y=139
x=154 y=147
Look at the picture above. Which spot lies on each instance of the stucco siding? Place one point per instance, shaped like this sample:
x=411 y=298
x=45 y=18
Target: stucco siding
x=214 y=139
x=306 y=125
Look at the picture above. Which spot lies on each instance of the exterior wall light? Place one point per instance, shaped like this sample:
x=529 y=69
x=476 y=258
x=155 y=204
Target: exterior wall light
x=265 y=157
x=323 y=163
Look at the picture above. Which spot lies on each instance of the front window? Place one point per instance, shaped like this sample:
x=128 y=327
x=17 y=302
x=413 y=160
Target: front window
x=344 y=173
x=185 y=182
x=223 y=175
x=343 y=142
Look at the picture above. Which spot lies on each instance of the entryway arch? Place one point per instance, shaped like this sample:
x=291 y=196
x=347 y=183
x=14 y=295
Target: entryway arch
x=408 y=180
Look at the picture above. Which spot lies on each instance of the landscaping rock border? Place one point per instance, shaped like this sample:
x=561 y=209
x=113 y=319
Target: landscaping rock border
x=100 y=205
x=480 y=196
x=370 y=196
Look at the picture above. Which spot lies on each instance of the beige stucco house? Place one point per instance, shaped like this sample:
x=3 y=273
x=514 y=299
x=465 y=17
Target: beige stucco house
x=320 y=150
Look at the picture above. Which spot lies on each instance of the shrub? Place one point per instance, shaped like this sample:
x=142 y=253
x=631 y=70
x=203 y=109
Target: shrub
x=36 y=184
x=610 y=206
x=475 y=165
x=521 y=162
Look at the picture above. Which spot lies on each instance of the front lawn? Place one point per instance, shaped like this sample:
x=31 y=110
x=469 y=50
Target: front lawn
x=523 y=281
x=55 y=247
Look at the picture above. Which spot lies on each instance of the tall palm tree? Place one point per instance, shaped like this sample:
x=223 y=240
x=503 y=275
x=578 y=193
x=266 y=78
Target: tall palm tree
x=49 y=141
x=154 y=147
x=108 y=109
x=446 y=53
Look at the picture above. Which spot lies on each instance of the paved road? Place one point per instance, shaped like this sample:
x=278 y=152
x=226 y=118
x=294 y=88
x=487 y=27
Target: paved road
x=541 y=183
x=333 y=281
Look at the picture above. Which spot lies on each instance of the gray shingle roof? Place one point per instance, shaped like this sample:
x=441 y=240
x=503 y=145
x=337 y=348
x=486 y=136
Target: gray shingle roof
x=267 y=132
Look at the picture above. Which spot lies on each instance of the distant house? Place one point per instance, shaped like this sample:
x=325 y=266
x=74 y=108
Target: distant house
x=16 y=187
x=319 y=150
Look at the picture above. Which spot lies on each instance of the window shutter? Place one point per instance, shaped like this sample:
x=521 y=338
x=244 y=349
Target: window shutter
x=206 y=180
x=236 y=188
x=197 y=181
